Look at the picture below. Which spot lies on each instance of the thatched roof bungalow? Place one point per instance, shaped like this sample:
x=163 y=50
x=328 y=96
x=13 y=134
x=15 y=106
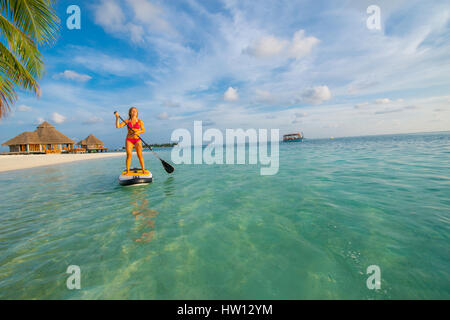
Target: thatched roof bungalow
x=44 y=139
x=92 y=144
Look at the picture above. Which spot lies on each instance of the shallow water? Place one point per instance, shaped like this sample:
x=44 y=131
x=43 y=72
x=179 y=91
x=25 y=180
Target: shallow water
x=226 y=232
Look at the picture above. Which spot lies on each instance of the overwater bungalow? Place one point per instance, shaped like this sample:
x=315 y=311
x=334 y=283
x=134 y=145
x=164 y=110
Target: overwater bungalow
x=45 y=139
x=293 y=137
x=92 y=144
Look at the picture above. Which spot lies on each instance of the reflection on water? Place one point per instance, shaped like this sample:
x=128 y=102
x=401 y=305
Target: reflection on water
x=169 y=186
x=145 y=218
x=143 y=214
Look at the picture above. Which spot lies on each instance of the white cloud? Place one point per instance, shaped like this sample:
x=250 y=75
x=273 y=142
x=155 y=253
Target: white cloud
x=231 y=94
x=58 y=118
x=395 y=110
x=163 y=116
x=116 y=18
x=24 y=108
x=72 y=75
x=361 y=105
x=302 y=46
x=359 y=85
x=149 y=14
x=103 y=63
x=93 y=120
x=270 y=46
x=298 y=117
x=382 y=101
x=39 y=120
x=109 y=15
x=316 y=95
x=136 y=32
x=264 y=96
x=171 y=104
x=208 y=123
x=266 y=47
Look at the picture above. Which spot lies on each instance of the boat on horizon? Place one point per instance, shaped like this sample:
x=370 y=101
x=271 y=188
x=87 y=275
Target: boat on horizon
x=293 y=137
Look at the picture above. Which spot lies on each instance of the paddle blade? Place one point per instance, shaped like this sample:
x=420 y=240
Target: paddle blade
x=167 y=167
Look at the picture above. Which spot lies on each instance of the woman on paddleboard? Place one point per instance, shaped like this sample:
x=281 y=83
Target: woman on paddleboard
x=135 y=128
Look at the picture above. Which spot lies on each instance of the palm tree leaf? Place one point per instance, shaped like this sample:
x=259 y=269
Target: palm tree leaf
x=7 y=94
x=36 y=18
x=10 y=66
x=24 y=24
x=22 y=46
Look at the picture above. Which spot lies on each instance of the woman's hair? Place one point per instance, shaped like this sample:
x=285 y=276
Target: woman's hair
x=129 y=112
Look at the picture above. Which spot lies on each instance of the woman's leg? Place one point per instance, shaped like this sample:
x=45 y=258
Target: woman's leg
x=129 y=148
x=138 y=147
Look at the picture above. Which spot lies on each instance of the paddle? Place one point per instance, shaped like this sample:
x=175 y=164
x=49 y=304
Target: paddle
x=169 y=168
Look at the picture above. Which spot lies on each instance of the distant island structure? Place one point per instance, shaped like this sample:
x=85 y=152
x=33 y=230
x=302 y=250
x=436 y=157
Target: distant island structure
x=45 y=139
x=164 y=145
x=92 y=144
x=293 y=137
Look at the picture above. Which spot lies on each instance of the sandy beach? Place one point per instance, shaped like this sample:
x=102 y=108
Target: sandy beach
x=17 y=162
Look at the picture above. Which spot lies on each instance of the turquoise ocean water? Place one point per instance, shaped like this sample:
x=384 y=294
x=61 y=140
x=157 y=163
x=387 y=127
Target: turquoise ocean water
x=226 y=232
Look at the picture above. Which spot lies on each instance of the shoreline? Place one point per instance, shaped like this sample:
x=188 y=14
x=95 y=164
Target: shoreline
x=20 y=162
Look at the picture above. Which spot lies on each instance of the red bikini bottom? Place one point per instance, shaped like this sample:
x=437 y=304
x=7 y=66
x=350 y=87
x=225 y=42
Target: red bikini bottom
x=133 y=141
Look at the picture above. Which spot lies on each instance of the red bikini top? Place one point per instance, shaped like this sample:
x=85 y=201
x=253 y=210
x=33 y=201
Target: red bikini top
x=135 y=126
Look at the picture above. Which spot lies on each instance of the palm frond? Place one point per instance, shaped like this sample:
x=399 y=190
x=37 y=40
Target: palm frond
x=10 y=66
x=7 y=94
x=24 y=24
x=12 y=73
x=36 y=18
x=23 y=47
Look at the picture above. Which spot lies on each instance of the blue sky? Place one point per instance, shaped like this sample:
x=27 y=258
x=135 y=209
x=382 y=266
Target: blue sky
x=311 y=66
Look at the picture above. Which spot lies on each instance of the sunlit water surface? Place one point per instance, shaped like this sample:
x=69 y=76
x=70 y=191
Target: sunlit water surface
x=226 y=232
